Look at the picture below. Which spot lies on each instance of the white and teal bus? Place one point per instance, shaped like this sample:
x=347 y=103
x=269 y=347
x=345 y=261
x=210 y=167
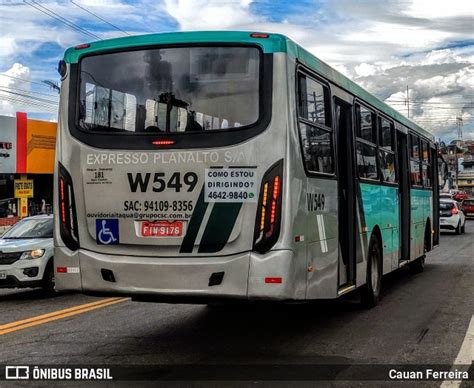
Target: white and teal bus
x=210 y=166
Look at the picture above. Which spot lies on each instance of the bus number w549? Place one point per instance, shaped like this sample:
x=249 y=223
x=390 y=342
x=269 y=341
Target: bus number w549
x=161 y=182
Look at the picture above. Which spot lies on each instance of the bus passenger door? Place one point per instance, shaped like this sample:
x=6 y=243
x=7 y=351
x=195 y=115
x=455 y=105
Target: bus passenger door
x=404 y=195
x=436 y=188
x=346 y=194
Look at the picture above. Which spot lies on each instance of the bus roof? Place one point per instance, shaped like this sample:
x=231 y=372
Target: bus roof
x=272 y=44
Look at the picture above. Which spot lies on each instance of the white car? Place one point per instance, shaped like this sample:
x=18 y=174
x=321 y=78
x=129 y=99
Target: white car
x=450 y=216
x=26 y=254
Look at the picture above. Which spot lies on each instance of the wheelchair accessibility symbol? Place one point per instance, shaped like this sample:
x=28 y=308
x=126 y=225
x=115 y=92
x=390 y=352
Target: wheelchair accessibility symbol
x=107 y=231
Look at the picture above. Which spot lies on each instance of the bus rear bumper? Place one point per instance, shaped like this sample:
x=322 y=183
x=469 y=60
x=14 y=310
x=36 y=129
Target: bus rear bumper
x=176 y=279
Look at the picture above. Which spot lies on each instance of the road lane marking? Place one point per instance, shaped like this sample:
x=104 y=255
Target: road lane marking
x=58 y=312
x=56 y=315
x=465 y=356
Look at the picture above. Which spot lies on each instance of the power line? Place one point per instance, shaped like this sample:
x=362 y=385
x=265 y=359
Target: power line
x=24 y=80
x=429 y=102
x=98 y=17
x=58 y=17
x=29 y=91
x=434 y=105
x=432 y=109
x=27 y=103
x=62 y=19
x=43 y=100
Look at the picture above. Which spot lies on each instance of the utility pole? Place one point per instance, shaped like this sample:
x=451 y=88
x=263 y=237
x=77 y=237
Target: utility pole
x=407 y=103
x=459 y=124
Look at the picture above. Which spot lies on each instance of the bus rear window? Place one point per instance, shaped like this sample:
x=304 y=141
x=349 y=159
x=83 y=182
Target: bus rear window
x=185 y=89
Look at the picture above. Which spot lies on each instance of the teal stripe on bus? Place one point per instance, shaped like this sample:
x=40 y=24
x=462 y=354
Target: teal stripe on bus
x=381 y=209
x=194 y=224
x=219 y=227
x=273 y=44
x=363 y=242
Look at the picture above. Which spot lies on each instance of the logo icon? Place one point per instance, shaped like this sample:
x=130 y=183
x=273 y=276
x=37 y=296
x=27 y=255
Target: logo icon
x=107 y=231
x=17 y=372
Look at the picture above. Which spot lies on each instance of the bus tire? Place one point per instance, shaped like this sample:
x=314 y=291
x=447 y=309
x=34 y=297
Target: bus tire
x=48 y=278
x=370 y=293
x=418 y=265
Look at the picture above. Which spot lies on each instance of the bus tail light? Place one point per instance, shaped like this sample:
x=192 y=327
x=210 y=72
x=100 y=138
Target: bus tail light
x=273 y=280
x=267 y=224
x=67 y=210
x=82 y=46
x=260 y=35
x=163 y=142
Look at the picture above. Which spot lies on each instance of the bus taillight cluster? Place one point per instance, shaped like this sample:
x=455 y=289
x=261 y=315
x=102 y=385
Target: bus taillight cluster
x=67 y=206
x=267 y=225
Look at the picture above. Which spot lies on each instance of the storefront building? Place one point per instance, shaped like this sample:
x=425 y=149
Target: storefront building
x=26 y=166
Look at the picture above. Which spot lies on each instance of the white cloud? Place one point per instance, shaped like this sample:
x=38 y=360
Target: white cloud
x=402 y=36
x=210 y=14
x=8 y=104
x=366 y=69
x=16 y=93
x=439 y=8
x=7 y=45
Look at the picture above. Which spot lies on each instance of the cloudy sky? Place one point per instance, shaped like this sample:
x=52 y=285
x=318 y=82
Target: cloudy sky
x=384 y=45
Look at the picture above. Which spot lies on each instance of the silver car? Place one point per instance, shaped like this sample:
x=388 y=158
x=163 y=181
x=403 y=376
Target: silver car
x=26 y=254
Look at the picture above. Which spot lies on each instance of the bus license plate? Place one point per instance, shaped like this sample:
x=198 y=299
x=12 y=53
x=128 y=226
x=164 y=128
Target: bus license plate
x=3 y=275
x=162 y=229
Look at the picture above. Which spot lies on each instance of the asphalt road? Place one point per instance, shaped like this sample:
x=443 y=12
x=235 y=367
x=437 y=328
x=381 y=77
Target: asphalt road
x=422 y=319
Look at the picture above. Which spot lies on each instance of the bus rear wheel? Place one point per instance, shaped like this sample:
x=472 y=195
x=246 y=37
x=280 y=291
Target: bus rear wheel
x=418 y=265
x=370 y=294
x=48 y=279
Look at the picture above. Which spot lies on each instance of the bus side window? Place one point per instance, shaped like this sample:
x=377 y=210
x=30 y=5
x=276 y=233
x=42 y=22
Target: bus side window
x=387 y=151
x=313 y=101
x=366 y=128
x=426 y=164
x=314 y=126
x=366 y=146
x=367 y=161
x=415 y=171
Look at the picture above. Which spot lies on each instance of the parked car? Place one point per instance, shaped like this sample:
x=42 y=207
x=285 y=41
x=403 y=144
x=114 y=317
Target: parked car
x=26 y=254
x=445 y=196
x=468 y=207
x=460 y=196
x=451 y=217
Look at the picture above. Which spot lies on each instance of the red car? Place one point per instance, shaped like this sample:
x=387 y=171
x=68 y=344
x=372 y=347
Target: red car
x=460 y=195
x=468 y=207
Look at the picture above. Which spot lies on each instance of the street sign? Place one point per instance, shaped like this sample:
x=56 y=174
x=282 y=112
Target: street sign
x=23 y=188
x=23 y=207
